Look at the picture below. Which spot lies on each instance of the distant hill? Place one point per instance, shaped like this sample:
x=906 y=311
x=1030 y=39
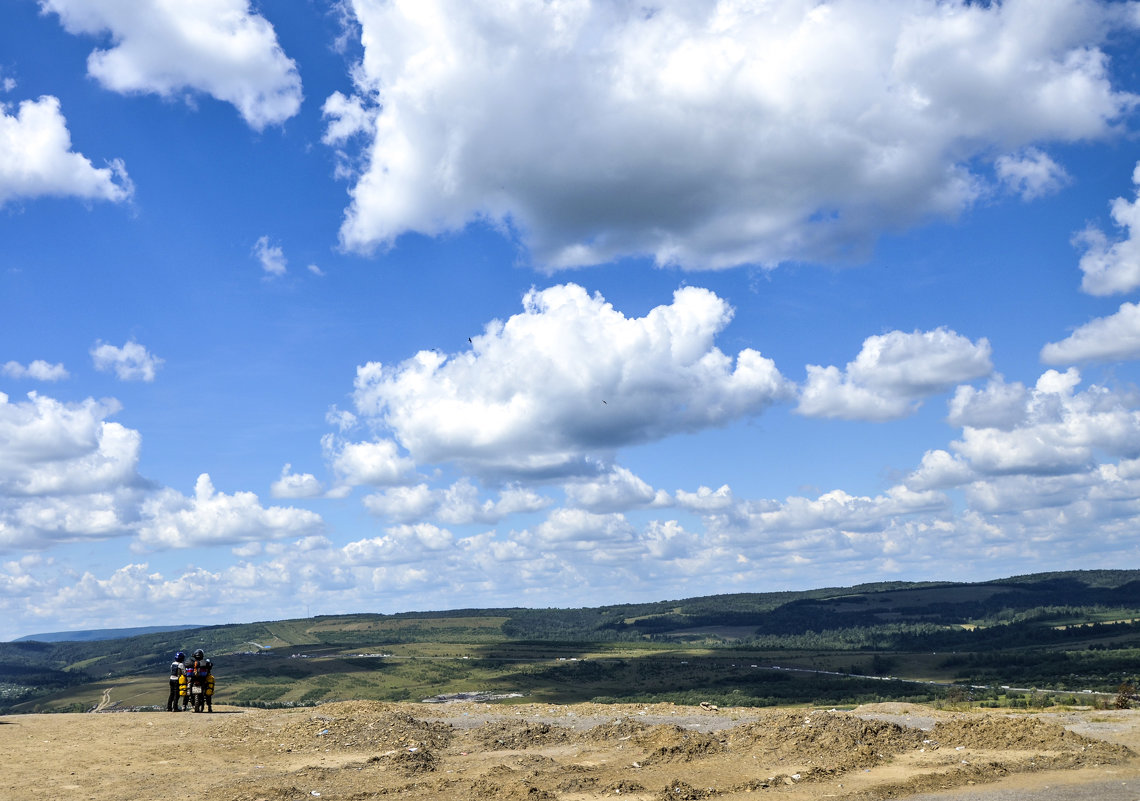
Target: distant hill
x=1071 y=634
x=94 y=635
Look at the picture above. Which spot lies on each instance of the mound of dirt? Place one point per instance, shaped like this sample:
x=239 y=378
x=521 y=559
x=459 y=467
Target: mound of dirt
x=674 y=744
x=1019 y=733
x=364 y=726
x=515 y=735
x=841 y=741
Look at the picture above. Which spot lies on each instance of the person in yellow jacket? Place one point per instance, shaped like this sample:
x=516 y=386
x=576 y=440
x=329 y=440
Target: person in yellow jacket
x=209 y=684
x=196 y=674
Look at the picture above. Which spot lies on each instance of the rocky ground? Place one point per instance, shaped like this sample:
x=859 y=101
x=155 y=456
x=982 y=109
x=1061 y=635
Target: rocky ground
x=366 y=750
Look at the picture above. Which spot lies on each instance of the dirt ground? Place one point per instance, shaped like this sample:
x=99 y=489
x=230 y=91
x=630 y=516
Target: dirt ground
x=367 y=750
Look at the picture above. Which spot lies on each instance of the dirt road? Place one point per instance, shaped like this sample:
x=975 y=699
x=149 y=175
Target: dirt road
x=365 y=750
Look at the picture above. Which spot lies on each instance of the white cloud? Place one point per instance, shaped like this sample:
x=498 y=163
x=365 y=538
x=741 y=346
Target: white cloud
x=49 y=447
x=458 y=504
x=1062 y=431
x=1005 y=495
x=132 y=362
x=133 y=593
x=1024 y=450
x=892 y=374
x=36 y=158
x=39 y=522
x=719 y=133
x=578 y=529
x=1113 y=267
x=515 y=499
x=403 y=504
x=838 y=510
x=940 y=470
x=668 y=540
x=348 y=118
x=66 y=473
x=999 y=405
x=218 y=47
x=376 y=463
x=1104 y=339
x=1031 y=174
x=401 y=544
x=270 y=257
x=341 y=418
x=38 y=369
x=1041 y=521
x=706 y=500
x=568 y=377
x=296 y=485
x=619 y=490
x=171 y=520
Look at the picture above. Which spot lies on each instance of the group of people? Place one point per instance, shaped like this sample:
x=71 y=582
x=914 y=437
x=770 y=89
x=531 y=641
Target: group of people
x=191 y=683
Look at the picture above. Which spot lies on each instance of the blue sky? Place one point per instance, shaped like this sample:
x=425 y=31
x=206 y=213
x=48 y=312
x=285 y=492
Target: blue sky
x=332 y=307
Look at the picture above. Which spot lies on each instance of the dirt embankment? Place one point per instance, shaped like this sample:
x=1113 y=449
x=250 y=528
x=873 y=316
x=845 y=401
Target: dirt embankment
x=365 y=750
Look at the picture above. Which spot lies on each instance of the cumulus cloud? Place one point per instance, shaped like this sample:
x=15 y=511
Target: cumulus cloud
x=341 y=418
x=347 y=116
x=133 y=593
x=799 y=541
x=568 y=377
x=1027 y=494
x=132 y=362
x=403 y=543
x=1104 y=339
x=619 y=490
x=1062 y=431
x=172 y=520
x=892 y=374
x=578 y=529
x=458 y=504
x=38 y=369
x=296 y=485
x=1031 y=174
x=219 y=47
x=404 y=504
x=706 y=500
x=50 y=447
x=838 y=509
x=940 y=470
x=36 y=158
x=375 y=463
x=1112 y=267
x=270 y=257
x=998 y=405
x=66 y=472
x=719 y=133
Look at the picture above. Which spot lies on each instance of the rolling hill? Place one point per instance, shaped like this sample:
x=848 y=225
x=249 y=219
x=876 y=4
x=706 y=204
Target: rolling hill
x=1061 y=633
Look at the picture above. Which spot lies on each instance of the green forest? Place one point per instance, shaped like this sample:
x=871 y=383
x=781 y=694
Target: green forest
x=1057 y=638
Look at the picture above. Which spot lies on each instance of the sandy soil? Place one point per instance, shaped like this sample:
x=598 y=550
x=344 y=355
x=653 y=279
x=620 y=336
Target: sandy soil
x=365 y=750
